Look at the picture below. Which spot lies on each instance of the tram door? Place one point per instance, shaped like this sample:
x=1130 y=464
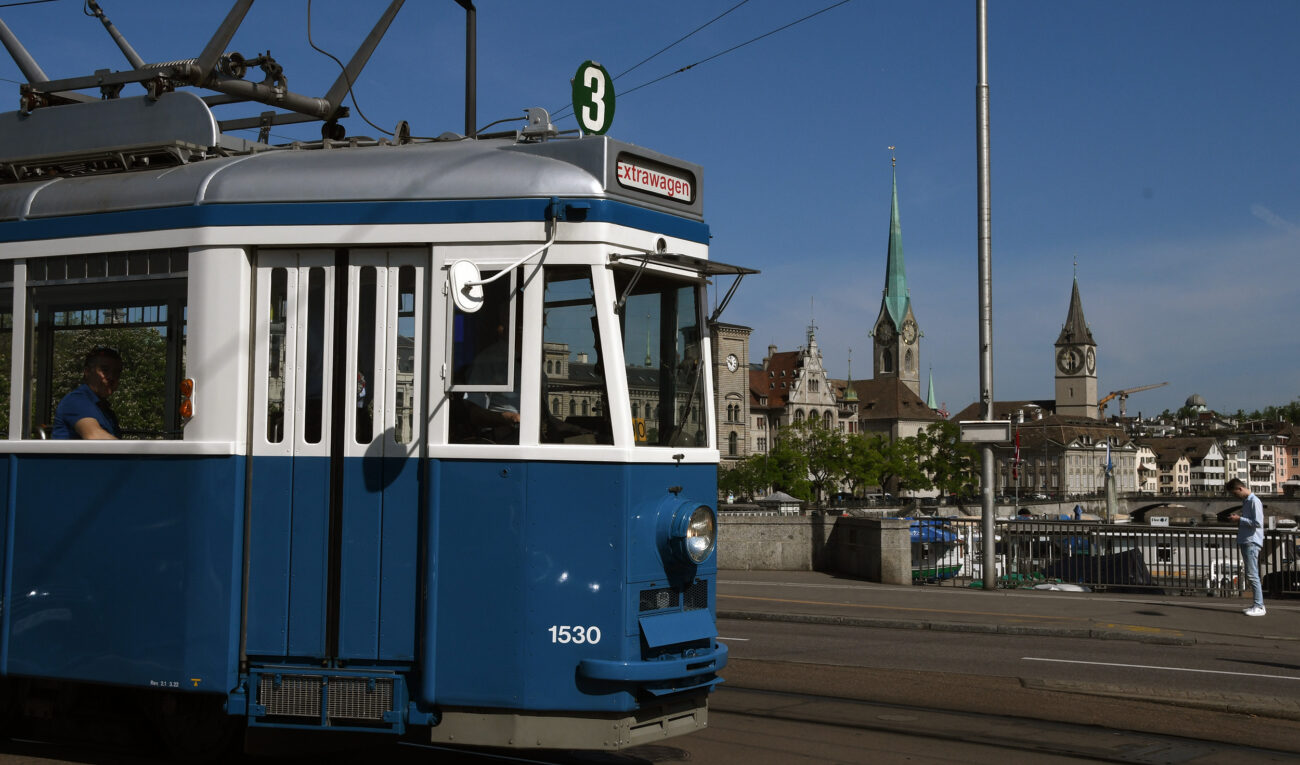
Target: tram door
x=337 y=435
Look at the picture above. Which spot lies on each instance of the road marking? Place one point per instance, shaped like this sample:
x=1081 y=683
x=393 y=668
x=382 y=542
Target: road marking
x=739 y=640
x=1167 y=669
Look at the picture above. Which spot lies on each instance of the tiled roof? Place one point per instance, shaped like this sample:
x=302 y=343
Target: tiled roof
x=887 y=398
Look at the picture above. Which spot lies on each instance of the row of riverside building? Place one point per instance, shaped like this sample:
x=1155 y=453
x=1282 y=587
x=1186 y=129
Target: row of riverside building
x=1064 y=442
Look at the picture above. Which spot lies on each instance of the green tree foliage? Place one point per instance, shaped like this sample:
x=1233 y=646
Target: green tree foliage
x=901 y=465
x=825 y=453
x=1285 y=413
x=748 y=478
x=865 y=463
x=951 y=464
x=788 y=464
x=141 y=397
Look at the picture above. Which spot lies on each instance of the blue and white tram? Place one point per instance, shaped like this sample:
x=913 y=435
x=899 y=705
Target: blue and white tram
x=345 y=501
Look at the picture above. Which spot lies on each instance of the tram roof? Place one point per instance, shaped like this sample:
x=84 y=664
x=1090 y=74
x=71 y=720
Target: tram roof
x=361 y=170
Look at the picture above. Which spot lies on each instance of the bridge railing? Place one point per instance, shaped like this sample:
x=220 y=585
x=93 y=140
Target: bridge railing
x=1111 y=557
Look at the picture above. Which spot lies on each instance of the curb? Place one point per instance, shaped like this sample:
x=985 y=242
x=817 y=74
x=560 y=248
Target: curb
x=988 y=629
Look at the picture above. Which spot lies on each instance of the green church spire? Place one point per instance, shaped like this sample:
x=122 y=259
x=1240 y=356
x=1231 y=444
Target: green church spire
x=896 y=298
x=929 y=399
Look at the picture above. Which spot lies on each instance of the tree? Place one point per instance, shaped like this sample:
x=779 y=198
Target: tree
x=865 y=460
x=950 y=463
x=747 y=478
x=824 y=450
x=788 y=464
x=902 y=466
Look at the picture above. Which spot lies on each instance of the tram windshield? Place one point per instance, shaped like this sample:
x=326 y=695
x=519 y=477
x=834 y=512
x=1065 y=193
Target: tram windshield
x=665 y=361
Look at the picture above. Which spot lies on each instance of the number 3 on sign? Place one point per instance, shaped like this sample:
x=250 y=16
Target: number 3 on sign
x=575 y=634
x=593 y=98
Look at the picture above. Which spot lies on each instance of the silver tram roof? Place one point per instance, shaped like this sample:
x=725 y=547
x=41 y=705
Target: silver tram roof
x=68 y=161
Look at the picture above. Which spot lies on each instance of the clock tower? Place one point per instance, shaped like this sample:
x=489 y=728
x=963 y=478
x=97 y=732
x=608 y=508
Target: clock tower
x=1076 y=364
x=896 y=337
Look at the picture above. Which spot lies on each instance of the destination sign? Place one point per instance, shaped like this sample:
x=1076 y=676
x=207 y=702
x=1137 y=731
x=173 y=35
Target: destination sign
x=643 y=176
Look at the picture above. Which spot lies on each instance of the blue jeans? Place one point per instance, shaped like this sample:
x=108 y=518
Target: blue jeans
x=1250 y=559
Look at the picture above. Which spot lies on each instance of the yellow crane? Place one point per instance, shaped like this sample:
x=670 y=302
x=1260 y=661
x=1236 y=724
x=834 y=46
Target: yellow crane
x=1122 y=395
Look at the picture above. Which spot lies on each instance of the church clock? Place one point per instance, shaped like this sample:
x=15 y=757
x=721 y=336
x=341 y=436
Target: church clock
x=909 y=332
x=1069 y=360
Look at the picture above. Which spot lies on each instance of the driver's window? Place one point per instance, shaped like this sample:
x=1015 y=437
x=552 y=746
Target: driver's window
x=571 y=351
x=484 y=363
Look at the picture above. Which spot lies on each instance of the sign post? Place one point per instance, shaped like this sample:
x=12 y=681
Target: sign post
x=593 y=98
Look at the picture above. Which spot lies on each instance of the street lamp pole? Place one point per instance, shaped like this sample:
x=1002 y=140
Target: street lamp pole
x=985 y=289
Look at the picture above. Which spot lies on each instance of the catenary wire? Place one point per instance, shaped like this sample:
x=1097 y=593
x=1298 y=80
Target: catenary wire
x=725 y=52
x=560 y=114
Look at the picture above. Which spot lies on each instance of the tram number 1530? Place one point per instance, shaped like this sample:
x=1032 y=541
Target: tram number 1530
x=575 y=634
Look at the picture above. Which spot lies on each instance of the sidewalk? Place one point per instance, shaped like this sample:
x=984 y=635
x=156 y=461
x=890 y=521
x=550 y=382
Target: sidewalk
x=821 y=598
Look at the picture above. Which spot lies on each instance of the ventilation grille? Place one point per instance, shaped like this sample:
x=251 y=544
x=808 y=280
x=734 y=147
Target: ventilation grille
x=697 y=595
x=290 y=695
x=359 y=698
x=657 y=600
x=693 y=598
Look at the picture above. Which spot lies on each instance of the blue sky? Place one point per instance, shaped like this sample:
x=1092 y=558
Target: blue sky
x=1155 y=142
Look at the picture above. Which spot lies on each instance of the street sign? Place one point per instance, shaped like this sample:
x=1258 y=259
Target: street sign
x=985 y=431
x=593 y=98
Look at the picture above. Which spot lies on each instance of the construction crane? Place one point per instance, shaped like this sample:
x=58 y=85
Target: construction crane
x=1122 y=395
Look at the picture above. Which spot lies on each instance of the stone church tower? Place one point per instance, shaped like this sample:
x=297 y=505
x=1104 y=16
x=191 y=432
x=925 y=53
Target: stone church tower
x=1076 y=364
x=896 y=338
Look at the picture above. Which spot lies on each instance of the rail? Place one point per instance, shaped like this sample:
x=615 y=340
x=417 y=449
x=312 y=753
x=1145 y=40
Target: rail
x=1118 y=557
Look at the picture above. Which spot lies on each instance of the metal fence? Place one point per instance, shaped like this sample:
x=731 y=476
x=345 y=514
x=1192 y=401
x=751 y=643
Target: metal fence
x=1120 y=557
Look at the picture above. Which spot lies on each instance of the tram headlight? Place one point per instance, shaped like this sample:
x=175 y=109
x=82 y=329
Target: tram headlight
x=694 y=532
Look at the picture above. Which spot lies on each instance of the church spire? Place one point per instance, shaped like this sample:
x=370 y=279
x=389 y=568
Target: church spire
x=929 y=399
x=896 y=298
x=1076 y=329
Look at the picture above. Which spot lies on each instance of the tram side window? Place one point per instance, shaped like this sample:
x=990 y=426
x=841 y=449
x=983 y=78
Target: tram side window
x=484 y=362
x=275 y=373
x=404 y=381
x=571 y=339
x=133 y=303
x=662 y=348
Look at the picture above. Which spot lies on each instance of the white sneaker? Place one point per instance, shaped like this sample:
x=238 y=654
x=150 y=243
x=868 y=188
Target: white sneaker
x=1255 y=611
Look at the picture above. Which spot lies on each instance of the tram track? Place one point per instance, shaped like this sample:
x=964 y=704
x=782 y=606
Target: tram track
x=959 y=729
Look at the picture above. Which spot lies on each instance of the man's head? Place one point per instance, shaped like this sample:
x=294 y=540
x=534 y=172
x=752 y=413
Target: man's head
x=102 y=370
x=1237 y=488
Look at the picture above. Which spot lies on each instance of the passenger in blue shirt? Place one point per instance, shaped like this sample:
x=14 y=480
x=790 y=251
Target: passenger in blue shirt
x=85 y=413
x=1250 y=538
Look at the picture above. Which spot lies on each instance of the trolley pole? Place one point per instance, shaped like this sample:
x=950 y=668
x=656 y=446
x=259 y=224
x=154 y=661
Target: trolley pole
x=985 y=290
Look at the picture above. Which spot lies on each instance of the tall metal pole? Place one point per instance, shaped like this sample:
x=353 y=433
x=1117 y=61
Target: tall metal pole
x=985 y=289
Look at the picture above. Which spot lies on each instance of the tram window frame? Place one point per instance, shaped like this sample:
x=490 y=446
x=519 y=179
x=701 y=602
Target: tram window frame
x=667 y=328
x=6 y=343
x=562 y=323
x=54 y=289
x=498 y=297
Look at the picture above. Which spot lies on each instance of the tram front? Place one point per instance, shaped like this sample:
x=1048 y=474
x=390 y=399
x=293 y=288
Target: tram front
x=573 y=515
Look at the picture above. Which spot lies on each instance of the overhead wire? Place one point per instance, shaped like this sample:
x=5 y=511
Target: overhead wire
x=561 y=113
x=320 y=50
x=719 y=54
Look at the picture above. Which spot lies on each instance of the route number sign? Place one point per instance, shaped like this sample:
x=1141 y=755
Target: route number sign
x=593 y=98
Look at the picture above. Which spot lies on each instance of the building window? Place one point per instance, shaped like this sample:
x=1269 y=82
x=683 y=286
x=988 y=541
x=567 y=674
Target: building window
x=732 y=440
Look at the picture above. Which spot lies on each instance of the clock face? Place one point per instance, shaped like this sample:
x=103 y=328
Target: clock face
x=885 y=333
x=909 y=332
x=1069 y=360
x=732 y=362
x=1092 y=361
